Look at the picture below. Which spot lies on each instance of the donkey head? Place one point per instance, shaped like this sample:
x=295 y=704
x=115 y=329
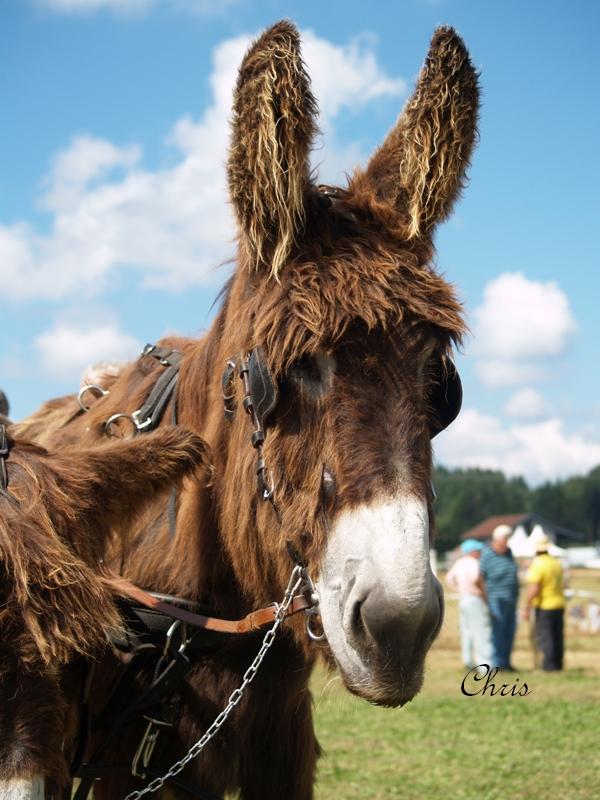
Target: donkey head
x=337 y=287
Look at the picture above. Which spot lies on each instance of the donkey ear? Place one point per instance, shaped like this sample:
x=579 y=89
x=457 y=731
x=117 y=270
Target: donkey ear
x=420 y=168
x=273 y=125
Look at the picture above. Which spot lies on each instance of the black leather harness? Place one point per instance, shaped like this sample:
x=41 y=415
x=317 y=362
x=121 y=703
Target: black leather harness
x=148 y=416
x=161 y=653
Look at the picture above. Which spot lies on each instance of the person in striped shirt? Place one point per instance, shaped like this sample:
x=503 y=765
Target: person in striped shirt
x=499 y=572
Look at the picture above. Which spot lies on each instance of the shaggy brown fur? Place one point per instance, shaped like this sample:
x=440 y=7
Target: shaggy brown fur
x=55 y=602
x=354 y=320
x=52 y=540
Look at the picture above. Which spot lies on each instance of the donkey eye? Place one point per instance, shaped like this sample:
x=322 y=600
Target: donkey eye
x=305 y=369
x=305 y=376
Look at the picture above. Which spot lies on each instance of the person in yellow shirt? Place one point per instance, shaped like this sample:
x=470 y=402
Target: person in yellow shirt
x=545 y=594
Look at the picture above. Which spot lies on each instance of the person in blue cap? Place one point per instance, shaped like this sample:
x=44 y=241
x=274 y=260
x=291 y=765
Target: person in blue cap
x=464 y=578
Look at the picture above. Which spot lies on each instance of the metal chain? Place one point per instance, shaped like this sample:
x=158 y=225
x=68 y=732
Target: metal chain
x=297 y=579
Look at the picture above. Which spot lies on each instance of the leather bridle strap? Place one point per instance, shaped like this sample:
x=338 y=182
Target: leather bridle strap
x=3 y=457
x=149 y=415
x=251 y=622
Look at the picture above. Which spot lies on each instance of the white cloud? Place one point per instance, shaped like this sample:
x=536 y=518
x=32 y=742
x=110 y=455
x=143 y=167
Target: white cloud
x=519 y=323
x=78 y=6
x=73 y=170
x=174 y=225
x=539 y=451
x=346 y=76
x=131 y=7
x=498 y=373
x=521 y=319
x=526 y=403
x=66 y=349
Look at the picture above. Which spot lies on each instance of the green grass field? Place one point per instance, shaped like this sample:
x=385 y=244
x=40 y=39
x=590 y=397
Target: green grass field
x=445 y=746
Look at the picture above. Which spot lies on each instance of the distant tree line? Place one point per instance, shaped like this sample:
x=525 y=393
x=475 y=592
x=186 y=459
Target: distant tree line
x=465 y=497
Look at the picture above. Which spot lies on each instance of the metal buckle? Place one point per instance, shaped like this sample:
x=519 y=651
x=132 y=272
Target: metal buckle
x=96 y=390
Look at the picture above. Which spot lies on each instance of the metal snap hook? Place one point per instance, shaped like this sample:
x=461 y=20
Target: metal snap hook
x=184 y=637
x=143 y=754
x=112 y=421
x=96 y=390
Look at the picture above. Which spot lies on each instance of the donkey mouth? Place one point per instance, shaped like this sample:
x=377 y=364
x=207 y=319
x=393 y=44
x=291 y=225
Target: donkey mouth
x=383 y=663
x=379 y=675
x=384 y=689
x=381 y=605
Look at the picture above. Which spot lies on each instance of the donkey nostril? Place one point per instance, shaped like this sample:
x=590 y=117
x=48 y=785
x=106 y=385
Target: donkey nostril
x=357 y=625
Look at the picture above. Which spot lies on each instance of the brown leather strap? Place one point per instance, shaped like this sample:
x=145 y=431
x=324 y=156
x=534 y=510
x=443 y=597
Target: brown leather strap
x=251 y=622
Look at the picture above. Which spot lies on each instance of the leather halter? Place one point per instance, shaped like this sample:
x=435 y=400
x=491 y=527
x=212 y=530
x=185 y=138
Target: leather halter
x=261 y=395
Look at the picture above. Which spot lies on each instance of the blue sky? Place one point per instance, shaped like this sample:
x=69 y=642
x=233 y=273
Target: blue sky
x=113 y=218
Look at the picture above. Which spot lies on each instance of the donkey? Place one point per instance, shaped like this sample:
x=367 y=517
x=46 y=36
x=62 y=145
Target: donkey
x=56 y=514
x=351 y=329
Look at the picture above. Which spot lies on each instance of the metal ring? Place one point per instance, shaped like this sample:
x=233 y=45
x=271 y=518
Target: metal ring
x=111 y=421
x=308 y=615
x=98 y=391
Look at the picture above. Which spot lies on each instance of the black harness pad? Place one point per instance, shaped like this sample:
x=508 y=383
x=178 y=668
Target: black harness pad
x=264 y=390
x=447 y=397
